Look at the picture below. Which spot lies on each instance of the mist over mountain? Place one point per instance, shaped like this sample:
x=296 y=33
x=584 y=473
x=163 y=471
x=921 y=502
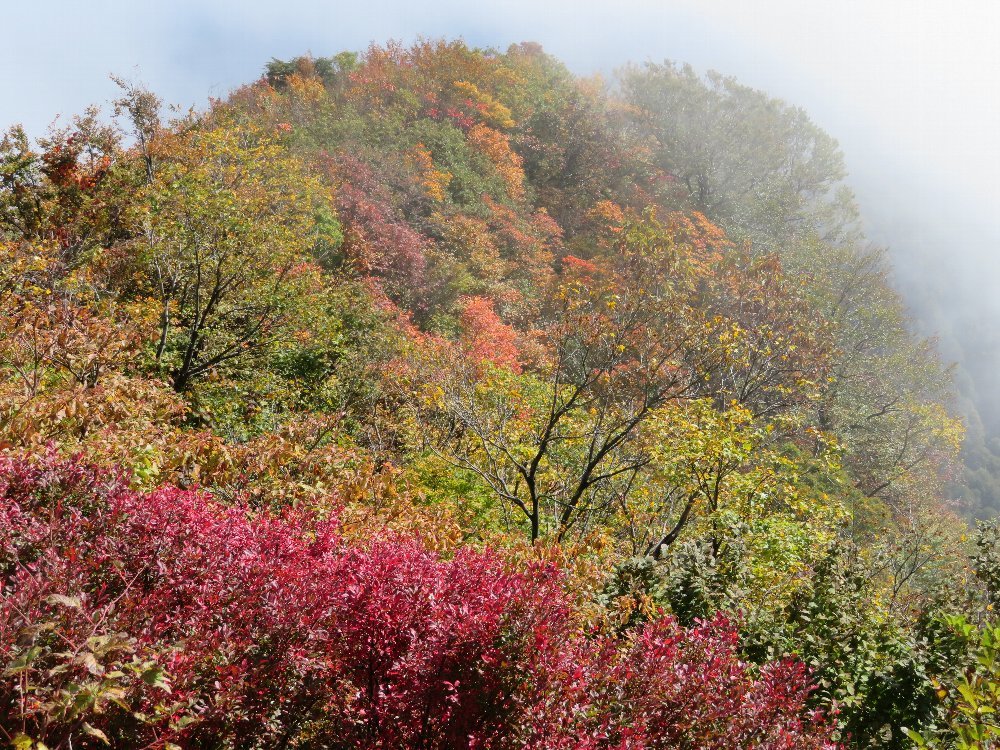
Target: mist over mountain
x=946 y=261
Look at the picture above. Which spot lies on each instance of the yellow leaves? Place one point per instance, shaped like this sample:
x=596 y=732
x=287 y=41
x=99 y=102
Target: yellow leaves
x=434 y=181
x=430 y=394
x=729 y=462
x=495 y=112
x=468 y=240
x=731 y=336
x=306 y=89
x=231 y=217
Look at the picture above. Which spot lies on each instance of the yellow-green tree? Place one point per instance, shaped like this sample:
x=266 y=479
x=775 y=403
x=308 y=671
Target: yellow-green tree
x=228 y=225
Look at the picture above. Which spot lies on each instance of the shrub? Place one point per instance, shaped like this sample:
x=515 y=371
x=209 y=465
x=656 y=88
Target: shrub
x=166 y=618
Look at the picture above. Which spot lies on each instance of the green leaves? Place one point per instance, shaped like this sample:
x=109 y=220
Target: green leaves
x=156 y=676
x=23 y=662
x=227 y=245
x=24 y=742
x=973 y=699
x=93 y=732
x=73 y=677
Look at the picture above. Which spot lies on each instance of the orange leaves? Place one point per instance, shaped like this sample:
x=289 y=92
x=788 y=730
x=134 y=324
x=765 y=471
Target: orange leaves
x=68 y=191
x=486 y=337
x=694 y=230
x=496 y=147
x=574 y=267
x=68 y=373
x=378 y=78
x=607 y=215
x=432 y=78
x=308 y=89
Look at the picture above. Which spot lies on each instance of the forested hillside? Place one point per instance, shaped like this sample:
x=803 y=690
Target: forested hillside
x=435 y=397
x=937 y=287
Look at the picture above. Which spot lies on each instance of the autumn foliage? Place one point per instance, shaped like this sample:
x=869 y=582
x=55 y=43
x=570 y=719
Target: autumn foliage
x=435 y=397
x=168 y=618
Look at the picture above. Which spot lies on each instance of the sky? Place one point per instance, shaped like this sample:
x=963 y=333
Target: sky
x=910 y=88
x=909 y=85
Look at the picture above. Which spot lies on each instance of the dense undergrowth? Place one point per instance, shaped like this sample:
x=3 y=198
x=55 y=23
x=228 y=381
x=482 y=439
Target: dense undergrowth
x=197 y=624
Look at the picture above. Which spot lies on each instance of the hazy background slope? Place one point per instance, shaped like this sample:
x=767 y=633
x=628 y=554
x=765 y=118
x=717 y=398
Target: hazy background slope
x=908 y=88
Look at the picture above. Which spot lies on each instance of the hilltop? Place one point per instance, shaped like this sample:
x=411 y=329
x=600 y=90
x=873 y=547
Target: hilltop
x=437 y=397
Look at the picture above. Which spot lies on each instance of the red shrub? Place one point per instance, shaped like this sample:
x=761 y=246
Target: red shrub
x=166 y=617
x=671 y=687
